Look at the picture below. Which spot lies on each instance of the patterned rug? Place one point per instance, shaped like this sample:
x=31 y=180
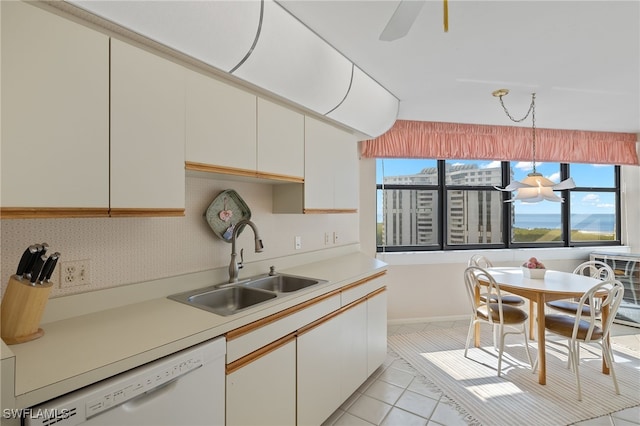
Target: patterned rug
x=516 y=398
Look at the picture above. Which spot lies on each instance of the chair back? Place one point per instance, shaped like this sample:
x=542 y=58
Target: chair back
x=480 y=260
x=606 y=293
x=595 y=269
x=473 y=275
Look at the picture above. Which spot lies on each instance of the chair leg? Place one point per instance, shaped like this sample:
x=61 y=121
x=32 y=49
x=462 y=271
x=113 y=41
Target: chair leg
x=469 y=334
x=500 y=349
x=526 y=345
x=574 y=354
x=608 y=357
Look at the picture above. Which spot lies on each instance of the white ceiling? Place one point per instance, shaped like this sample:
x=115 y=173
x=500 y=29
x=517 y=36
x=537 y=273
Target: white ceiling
x=580 y=57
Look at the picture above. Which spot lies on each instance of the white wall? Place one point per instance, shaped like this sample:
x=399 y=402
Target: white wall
x=428 y=285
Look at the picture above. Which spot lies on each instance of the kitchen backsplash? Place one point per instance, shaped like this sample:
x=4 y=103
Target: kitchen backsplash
x=130 y=250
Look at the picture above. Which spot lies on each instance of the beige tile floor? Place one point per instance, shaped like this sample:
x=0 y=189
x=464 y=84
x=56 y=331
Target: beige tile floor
x=395 y=396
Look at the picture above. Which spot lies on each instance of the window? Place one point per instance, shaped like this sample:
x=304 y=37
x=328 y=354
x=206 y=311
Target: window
x=454 y=204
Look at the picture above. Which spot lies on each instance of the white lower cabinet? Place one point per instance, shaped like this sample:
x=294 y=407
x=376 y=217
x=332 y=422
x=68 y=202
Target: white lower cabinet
x=376 y=331
x=325 y=350
x=353 y=349
x=319 y=372
x=263 y=391
x=337 y=356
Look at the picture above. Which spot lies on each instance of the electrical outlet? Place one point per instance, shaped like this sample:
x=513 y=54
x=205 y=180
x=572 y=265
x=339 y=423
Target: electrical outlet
x=75 y=273
x=335 y=237
x=297 y=242
x=327 y=238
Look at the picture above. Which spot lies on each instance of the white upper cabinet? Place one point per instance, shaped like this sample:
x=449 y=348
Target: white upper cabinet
x=55 y=113
x=219 y=33
x=280 y=141
x=368 y=108
x=147 y=131
x=263 y=44
x=293 y=62
x=330 y=173
x=221 y=124
x=331 y=168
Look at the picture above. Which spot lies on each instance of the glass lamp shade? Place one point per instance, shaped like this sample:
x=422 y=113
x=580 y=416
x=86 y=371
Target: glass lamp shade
x=535 y=188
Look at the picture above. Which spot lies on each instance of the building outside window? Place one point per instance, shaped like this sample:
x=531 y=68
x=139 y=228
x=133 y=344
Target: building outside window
x=454 y=204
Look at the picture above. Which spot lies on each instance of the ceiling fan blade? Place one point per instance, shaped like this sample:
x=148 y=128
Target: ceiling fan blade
x=402 y=19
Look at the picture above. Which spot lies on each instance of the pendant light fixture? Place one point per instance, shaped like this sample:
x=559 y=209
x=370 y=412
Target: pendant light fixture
x=535 y=187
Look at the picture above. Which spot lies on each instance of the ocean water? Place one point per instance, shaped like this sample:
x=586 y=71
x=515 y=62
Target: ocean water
x=582 y=222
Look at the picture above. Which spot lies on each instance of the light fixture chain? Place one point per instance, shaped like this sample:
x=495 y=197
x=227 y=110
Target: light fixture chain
x=533 y=128
x=532 y=111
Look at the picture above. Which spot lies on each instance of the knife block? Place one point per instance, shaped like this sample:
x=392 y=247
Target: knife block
x=21 y=310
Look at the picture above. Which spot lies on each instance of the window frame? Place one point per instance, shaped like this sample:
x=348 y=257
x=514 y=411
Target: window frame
x=441 y=217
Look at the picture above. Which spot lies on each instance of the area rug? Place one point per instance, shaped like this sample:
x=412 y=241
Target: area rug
x=516 y=398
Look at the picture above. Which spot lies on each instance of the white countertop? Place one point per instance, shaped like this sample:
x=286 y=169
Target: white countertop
x=78 y=351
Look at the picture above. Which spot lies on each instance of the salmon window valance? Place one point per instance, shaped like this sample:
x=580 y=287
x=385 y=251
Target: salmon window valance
x=424 y=139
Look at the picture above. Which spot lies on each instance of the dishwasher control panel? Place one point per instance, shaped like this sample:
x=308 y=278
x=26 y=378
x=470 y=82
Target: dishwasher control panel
x=80 y=406
x=141 y=383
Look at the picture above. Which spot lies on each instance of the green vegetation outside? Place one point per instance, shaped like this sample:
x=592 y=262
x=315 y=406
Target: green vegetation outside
x=522 y=235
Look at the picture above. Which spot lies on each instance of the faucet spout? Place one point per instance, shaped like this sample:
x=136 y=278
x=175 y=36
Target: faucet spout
x=233 y=265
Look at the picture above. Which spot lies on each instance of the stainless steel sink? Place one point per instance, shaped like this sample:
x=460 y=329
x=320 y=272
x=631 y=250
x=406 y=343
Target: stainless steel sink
x=225 y=301
x=282 y=283
x=230 y=298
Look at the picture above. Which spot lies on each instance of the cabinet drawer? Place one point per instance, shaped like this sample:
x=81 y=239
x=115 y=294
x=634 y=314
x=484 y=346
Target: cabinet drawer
x=246 y=343
x=361 y=288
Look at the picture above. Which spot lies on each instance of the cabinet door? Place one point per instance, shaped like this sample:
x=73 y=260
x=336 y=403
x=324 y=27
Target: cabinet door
x=319 y=370
x=280 y=141
x=376 y=331
x=147 y=131
x=55 y=112
x=331 y=179
x=263 y=392
x=353 y=349
x=346 y=176
x=221 y=124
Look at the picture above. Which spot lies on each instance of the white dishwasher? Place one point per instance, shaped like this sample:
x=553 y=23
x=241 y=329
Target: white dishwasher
x=185 y=388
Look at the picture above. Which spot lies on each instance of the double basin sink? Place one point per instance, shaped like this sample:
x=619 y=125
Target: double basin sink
x=230 y=298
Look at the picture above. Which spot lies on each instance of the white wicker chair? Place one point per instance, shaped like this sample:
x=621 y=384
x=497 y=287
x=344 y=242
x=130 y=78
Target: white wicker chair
x=584 y=326
x=499 y=315
x=483 y=262
x=594 y=269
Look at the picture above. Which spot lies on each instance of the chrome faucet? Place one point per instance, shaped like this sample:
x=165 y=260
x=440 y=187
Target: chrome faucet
x=234 y=266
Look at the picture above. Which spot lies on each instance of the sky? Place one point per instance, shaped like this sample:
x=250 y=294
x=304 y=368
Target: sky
x=584 y=175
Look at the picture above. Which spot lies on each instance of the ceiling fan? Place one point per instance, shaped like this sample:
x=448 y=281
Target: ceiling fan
x=405 y=15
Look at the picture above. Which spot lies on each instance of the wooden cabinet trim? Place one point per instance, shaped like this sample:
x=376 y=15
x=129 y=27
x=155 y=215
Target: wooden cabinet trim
x=253 y=356
x=275 y=176
x=241 y=331
x=249 y=358
x=376 y=292
x=364 y=280
x=51 y=212
x=210 y=168
x=146 y=212
x=333 y=314
x=329 y=211
x=234 y=334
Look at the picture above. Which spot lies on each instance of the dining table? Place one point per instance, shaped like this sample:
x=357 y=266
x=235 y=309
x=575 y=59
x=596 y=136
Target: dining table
x=554 y=285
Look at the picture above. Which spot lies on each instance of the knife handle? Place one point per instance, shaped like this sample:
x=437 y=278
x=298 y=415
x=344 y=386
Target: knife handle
x=25 y=260
x=45 y=247
x=45 y=269
x=28 y=271
x=49 y=266
x=37 y=267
